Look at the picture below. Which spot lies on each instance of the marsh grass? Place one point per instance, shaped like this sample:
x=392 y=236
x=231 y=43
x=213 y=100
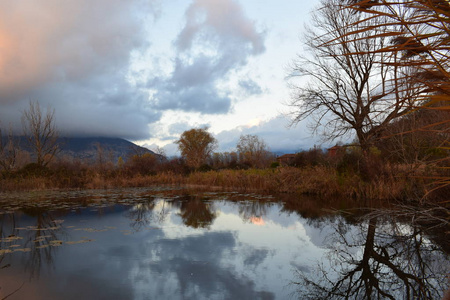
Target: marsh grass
x=320 y=180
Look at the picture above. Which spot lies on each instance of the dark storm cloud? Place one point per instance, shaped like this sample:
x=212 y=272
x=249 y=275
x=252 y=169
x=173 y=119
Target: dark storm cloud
x=217 y=39
x=74 y=56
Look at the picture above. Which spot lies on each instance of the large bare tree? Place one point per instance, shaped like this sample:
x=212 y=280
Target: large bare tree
x=352 y=89
x=377 y=259
x=41 y=133
x=419 y=31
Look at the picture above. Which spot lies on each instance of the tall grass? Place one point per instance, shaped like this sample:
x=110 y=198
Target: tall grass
x=320 y=180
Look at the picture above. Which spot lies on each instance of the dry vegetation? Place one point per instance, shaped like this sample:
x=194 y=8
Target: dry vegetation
x=311 y=173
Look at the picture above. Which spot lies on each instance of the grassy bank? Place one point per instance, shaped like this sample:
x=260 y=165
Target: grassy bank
x=312 y=180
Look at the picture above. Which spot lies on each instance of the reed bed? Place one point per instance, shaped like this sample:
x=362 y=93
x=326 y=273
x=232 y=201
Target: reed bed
x=318 y=180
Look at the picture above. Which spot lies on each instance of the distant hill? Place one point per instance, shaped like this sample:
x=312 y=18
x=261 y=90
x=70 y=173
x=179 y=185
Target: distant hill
x=88 y=148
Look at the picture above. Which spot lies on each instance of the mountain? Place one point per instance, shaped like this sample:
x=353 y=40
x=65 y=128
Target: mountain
x=90 y=148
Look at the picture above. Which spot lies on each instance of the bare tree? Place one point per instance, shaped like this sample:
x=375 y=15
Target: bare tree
x=9 y=150
x=196 y=145
x=104 y=158
x=352 y=88
x=160 y=154
x=419 y=32
x=378 y=260
x=41 y=133
x=253 y=151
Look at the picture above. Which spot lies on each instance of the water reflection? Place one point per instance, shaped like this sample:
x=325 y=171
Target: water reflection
x=195 y=211
x=141 y=244
x=379 y=258
x=144 y=214
x=38 y=237
x=254 y=211
x=33 y=239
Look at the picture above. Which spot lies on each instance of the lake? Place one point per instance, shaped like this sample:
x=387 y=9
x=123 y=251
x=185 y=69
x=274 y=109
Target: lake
x=161 y=243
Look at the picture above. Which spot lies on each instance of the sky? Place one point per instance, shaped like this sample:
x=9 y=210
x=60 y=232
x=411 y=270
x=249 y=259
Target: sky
x=147 y=70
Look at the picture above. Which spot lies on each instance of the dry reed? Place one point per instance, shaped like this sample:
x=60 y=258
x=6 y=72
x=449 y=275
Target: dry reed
x=319 y=180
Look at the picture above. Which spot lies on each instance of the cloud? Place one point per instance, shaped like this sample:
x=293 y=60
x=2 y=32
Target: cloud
x=275 y=132
x=176 y=129
x=183 y=258
x=216 y=41
x=221 y=18
x=250 y=87
x=75 y=56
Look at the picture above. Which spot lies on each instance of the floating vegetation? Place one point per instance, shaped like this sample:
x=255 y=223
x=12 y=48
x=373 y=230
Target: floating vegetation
x=6 y=251
x=53 y=207
x=56 y=243
x=41 y=238
x=43 y=228
x=11 y=238
x=79 y=242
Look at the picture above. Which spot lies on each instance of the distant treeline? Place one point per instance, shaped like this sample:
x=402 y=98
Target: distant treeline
x=401 y=164
x=386 y=172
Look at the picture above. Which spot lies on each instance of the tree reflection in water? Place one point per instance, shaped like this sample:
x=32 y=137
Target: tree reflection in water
x=153 y=210
x=196 y=212
x=42 y=239
x=38 y=241
x=379 y=257
x=7 y=229
x=382 y=259
x=253 y=211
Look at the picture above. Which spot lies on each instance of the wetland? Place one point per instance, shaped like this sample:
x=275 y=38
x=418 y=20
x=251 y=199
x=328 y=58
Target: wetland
x=175 y=243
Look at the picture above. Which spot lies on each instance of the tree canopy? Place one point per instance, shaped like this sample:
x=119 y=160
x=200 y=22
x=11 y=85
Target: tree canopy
x=196 y=145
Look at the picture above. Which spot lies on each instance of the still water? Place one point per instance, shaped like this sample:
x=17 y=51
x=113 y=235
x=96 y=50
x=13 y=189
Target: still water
x=175 y=244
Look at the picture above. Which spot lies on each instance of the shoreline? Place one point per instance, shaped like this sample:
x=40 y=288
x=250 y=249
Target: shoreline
x=317 y=181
